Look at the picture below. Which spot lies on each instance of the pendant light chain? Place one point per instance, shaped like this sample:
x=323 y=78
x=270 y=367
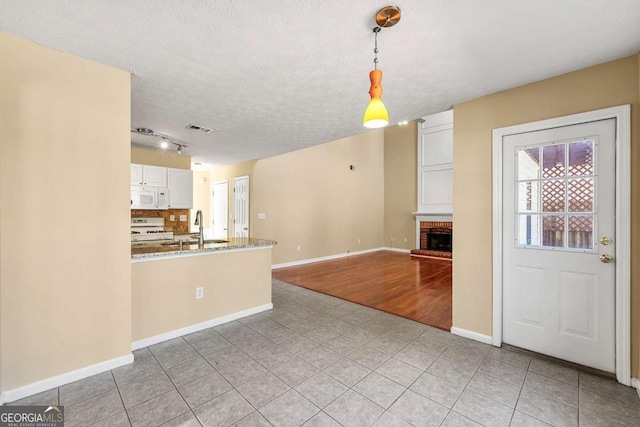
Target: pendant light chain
x=376 y=30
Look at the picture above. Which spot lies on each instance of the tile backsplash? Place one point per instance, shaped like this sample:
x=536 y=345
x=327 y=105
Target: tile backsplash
x=177 y=226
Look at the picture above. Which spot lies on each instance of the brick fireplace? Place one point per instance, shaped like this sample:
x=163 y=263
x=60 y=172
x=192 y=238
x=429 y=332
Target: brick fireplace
x=436 y=239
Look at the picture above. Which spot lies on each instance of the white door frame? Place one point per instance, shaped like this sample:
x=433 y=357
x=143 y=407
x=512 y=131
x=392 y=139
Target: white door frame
x=622 y=114
x=224 y=181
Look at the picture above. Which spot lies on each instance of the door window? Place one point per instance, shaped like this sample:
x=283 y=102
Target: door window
x=555 y=188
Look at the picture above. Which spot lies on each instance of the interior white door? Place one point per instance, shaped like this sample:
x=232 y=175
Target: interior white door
x=241 y=206
x=558 y=231
x=220 y=209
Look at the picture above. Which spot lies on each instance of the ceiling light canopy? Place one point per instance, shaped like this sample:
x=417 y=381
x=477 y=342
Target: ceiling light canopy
x=376 y=115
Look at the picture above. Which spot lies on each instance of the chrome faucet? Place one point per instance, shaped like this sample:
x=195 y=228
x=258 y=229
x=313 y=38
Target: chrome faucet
x=199 y=222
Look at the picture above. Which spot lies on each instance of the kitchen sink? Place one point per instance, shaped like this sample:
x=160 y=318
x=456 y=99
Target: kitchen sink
x=194 y=242
x=184 y=242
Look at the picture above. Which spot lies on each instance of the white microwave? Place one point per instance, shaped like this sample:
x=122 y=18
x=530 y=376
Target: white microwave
x=149 y=197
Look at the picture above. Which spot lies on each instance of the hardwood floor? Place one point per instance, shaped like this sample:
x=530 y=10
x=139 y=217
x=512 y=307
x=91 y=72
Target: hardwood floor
x=411 y=287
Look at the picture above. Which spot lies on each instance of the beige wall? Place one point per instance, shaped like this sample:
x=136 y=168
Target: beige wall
x=233 y=171
x=602 y=86
x=160 y=158
x=311 y=198
x=400 y=185
x=163 y=291
x=201 y=198
x=65 y=297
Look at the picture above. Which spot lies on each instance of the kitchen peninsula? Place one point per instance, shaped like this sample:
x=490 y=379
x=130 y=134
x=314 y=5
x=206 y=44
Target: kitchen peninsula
x=179 y=288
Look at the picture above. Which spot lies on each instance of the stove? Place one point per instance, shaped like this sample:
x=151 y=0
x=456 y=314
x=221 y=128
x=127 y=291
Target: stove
x=149 y=229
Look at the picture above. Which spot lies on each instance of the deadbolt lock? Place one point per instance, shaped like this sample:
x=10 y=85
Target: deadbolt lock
x=606 y=258
x=606 y=240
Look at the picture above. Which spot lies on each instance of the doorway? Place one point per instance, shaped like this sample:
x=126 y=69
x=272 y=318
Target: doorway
x=561 y=249
x=241 y=206
x=220 y=209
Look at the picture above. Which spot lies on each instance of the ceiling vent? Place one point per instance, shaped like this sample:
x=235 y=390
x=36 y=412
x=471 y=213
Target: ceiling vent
x=199 y=128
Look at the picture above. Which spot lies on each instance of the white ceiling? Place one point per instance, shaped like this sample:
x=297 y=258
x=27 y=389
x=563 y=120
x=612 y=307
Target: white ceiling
x=275 y=76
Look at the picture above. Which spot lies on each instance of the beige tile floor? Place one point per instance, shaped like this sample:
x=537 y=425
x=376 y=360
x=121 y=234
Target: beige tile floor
x=316 y=360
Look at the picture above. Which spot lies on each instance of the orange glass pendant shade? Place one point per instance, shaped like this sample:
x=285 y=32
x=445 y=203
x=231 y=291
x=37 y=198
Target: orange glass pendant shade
x=375 y=116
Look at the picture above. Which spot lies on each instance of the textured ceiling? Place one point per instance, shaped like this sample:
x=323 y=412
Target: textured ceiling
x=274 y=76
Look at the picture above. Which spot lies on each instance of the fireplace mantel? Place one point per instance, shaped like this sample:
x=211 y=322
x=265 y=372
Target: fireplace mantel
x=430 y=216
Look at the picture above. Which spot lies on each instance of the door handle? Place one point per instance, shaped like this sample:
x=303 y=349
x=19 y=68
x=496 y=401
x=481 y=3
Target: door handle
x=606 y=258
x=606 y=240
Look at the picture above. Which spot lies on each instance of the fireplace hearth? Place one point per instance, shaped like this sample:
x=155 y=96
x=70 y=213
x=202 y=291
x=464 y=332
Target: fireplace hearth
x=436 y=240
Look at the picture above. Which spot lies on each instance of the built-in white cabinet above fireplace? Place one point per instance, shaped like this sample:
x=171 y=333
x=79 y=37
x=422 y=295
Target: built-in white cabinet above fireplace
x=435 y=164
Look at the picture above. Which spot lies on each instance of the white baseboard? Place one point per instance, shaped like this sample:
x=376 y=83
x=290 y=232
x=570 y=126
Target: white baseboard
x=404 y=251
x=472 y=335
x=325 y=258
x=635 y=383
x=66 y=378
x=146 y=342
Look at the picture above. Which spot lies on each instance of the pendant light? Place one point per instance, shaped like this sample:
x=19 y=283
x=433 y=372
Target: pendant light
x=376 y=115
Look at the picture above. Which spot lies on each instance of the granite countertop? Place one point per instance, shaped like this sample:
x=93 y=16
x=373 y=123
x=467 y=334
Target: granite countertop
x=172 y=248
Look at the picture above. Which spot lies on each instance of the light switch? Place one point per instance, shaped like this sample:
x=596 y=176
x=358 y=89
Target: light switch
x=261 y=215
x=183 y=217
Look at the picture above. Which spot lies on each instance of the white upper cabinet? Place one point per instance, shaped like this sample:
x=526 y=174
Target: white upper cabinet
x=180 y=188
x=136 y=174
x=154 y=176
x=435 y=164
x=150 y=176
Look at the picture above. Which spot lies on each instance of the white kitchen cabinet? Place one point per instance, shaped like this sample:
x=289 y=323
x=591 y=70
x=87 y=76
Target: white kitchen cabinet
x=154 y=176
x=180 y=188
x=147 y=175
x=136 y=174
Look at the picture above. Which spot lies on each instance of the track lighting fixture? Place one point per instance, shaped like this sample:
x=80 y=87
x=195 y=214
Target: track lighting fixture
x=165 y=141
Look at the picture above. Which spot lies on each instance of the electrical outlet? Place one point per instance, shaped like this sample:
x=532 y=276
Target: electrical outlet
x=199 y=292
x=261 y=215
x=298 y=248
x=405 y=240
x=172 y=217
x=183 y=217
x=358 y=241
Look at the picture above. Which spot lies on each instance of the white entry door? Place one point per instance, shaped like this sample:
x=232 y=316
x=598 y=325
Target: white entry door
x=241 y=206
x=220 y=209
x=558 y=234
